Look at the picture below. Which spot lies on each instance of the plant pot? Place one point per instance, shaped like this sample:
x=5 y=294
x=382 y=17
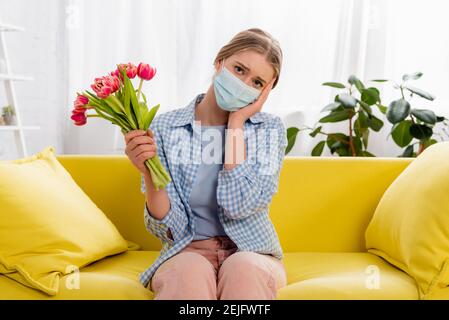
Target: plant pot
x=2 y=121
x=8 y=119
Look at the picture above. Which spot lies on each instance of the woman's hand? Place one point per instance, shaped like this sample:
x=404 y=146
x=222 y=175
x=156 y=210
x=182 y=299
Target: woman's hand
x=140 y=146
x=246 y=112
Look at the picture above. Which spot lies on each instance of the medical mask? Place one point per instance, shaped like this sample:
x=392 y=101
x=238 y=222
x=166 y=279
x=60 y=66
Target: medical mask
x=232 y=93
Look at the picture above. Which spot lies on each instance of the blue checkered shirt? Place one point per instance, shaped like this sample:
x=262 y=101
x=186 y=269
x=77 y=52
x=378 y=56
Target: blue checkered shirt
x=243 y=192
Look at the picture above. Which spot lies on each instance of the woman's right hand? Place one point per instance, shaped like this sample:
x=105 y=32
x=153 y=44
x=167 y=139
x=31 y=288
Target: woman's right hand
x=140 y=146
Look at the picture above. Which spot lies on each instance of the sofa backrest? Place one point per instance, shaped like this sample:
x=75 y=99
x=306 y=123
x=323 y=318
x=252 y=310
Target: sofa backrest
x=322 y=204
x=326 y=203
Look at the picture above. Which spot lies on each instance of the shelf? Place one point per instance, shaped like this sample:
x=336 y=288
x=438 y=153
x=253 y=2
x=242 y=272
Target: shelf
x=5 y=76
x=9 y=27
x=13 y=128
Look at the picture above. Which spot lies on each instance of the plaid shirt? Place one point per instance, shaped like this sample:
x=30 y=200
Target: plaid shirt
x=243 y=192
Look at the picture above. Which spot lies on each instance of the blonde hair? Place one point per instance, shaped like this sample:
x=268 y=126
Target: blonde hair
x=259 y=41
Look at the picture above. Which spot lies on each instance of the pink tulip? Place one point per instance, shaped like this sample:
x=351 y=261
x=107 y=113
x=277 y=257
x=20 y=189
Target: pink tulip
x=145 y=72
x=79 y=118
x=115 y=73
x=76 y=111
x=81 y=101
x=113 y=82
x=131 y=70
x=105 y=86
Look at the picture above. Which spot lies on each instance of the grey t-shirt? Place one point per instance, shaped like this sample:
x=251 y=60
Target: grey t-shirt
x=203 y=197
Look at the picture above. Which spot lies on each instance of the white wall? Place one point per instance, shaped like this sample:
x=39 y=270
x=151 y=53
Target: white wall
x=38 y=52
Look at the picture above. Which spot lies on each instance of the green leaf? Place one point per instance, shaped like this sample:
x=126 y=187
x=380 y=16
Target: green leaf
x=370 y=96
x=401 y=133
x=124 y=120
x=363 y=119
x=429 y=142
x=104 y=115
x=347 y=100
x=134 y=103
x=408 y=152
x=424 y=115
x=375 y=123
x=336 y=116
x=143 y=112
x=356 y=82
x=91 y=96
x=382 y=109
x=134 y=108
x=357 y=142
x=342 y=149
x=357 y=128
x=421 y=131
x=119 y=95
x=331 y=106
x=398 y=110
x=420 y=93
x=315 y=132
x=150 y=116
x=99 y=104
x=292 y=132
x=368 y=154
x=334 y=85
x=115 y=104
x=439 y=119
x=334 y=137
x=412 y=76
x=144 y=97
x=361 y=123
x=380 y=80
x=124 y=123
x=127 y=101
x=318 y=149
x=365 y=136
x=365 y=107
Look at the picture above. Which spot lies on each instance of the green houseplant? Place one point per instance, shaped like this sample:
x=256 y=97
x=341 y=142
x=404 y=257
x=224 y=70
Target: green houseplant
x=412 y=126
x=7 y=114
x=354 y=105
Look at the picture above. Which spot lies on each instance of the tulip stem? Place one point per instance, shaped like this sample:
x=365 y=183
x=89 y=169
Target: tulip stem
x=139 y=89
x=159 y=176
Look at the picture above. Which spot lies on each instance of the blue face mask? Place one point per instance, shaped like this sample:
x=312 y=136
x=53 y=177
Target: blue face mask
x=232 y=93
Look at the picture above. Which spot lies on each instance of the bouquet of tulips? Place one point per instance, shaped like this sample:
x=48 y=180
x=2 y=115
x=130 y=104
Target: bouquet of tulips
x=116 y=100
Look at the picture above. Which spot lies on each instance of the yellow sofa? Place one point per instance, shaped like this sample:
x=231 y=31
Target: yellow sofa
x=321 y=213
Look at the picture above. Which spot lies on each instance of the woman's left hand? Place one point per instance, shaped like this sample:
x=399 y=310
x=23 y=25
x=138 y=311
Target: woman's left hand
x=246 y=112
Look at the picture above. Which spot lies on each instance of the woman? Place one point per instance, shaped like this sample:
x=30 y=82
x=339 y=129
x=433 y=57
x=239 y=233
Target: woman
x=218 y=240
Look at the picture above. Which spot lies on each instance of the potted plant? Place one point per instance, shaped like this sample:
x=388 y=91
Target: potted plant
x=353 y=105
x=7 y=114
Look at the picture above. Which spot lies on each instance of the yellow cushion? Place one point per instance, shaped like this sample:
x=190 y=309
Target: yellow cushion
x=112 y=278
x=48 y=225
x=410 y=226
x=344 y=275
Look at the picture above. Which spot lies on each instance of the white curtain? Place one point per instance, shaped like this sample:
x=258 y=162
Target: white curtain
x=322 y=40
x=181 y=38
x=103 y=33
x=383 y=39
